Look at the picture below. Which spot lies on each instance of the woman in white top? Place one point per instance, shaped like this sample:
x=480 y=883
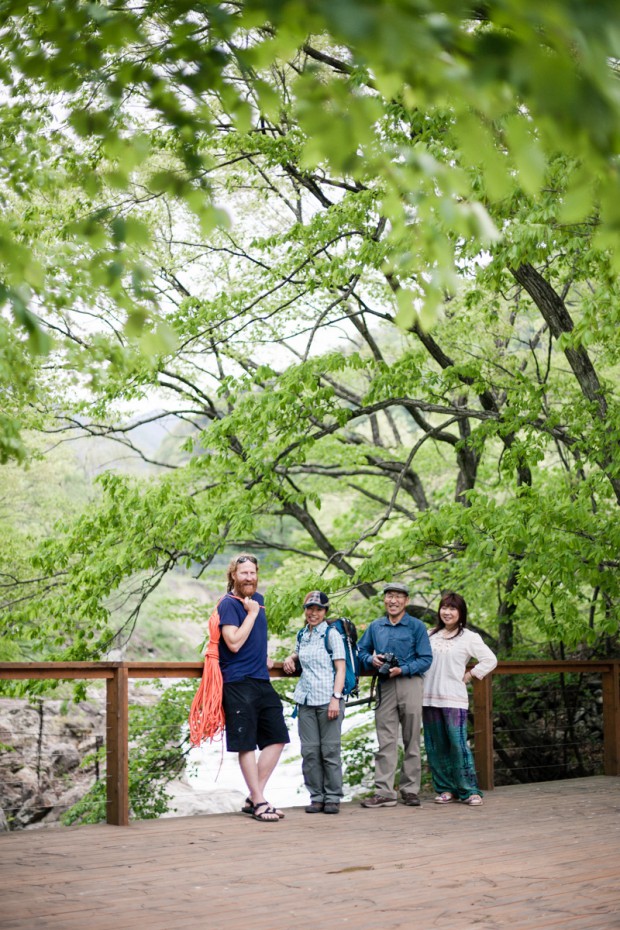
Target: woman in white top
x=446 y=702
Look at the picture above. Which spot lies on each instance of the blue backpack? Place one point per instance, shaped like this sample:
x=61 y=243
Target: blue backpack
x=347 y=630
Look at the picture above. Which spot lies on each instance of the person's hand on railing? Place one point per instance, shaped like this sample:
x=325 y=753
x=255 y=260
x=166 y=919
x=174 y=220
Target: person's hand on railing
x=289 y=666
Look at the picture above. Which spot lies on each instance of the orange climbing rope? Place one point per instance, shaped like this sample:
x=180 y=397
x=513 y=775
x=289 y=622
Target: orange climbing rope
x=206 y=717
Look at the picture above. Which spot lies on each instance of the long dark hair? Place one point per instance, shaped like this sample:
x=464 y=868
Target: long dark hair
x=451 y=599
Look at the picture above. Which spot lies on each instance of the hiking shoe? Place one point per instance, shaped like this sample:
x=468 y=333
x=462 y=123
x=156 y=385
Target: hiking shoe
x=316 y=807
x=411 y=799
x=378 y=800
x=331 y=807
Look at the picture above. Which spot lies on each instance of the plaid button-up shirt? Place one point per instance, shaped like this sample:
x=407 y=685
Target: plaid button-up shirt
x=316 y=685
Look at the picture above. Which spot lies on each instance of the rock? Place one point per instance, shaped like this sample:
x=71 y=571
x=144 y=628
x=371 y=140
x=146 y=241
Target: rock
x=6 y=733
x=64 y=759
x=26 y=782
x=187 y=801
x=32 y=810
x=40 y=774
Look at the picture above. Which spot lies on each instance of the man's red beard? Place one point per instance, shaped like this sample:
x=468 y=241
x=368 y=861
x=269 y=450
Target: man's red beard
x=246 y=588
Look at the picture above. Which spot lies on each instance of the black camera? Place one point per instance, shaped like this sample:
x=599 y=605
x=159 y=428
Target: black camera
x=389 y=661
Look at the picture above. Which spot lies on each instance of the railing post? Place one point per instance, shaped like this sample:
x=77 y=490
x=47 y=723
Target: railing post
x=483 y=732
x=611 y=720
x=117 y=749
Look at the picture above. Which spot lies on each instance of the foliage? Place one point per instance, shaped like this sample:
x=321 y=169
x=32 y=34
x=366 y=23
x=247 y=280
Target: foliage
x=360 y=259
x=547 y=730
x=358 y=750
x=157 y=756
x=161 y=85
x=321 y=420
x=33 y=502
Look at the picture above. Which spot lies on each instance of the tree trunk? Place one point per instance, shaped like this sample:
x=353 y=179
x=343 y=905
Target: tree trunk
x=554 y=312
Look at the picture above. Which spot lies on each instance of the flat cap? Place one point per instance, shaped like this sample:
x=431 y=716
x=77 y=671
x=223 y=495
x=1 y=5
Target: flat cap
x=397 y=586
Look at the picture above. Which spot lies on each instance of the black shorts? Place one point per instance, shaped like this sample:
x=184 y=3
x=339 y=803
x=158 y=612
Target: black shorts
x=254 y=715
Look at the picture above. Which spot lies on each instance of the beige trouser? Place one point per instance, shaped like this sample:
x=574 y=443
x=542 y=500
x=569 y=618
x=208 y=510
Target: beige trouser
x=400 y=707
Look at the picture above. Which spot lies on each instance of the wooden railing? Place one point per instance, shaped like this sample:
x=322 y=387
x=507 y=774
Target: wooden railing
x=117 y=675
x=483 y=709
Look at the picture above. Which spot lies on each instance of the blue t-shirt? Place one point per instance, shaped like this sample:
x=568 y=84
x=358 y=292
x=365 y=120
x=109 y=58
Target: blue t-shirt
x=251 y=660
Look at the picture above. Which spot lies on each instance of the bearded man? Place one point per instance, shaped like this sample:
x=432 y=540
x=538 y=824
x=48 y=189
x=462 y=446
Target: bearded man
x=252 y=707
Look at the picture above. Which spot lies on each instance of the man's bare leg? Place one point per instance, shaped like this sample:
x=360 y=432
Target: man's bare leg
x=267 y=761
x=256 y=773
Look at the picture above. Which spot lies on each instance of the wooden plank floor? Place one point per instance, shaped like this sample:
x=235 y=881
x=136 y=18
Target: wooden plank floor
x=536 y=857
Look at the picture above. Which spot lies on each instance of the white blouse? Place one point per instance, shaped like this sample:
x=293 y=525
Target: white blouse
x=443 y=683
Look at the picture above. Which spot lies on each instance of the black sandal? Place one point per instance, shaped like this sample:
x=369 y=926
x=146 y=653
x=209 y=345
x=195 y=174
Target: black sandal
x=268 y=815
x=248 y=808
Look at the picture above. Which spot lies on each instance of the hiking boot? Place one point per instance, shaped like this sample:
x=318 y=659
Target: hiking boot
x=315 y=807
x=378 y=800
x=411 y=799
x=331 y=807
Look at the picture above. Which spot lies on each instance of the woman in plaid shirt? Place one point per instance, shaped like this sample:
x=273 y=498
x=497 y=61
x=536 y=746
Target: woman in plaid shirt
x=320 y=705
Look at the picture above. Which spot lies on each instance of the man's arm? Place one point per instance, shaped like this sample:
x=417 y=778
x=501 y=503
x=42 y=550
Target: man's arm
x=366 y=649
x=236 y=636
x=422 y=652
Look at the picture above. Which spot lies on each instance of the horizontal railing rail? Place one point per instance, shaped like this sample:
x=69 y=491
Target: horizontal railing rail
x=117 y=676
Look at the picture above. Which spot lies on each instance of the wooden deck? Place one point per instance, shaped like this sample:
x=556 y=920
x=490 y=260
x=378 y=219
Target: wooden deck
x=536 y=857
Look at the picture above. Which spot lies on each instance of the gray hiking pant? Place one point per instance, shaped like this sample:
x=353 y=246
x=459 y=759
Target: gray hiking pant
x=400 y=708
x=320 y=752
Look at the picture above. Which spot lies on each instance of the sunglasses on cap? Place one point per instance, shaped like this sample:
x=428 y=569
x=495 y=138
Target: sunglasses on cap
x=246 y=558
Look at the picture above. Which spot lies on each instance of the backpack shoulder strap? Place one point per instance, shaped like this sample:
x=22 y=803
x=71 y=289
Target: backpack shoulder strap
x=338 y=625
x=228 y=594
x=328 y=645
x=350 y=630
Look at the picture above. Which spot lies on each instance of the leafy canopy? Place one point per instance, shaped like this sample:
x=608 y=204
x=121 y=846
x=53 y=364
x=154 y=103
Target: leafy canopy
x=366 y=253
